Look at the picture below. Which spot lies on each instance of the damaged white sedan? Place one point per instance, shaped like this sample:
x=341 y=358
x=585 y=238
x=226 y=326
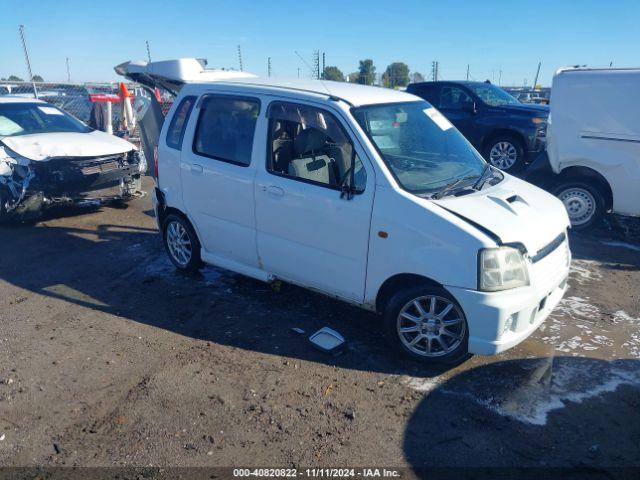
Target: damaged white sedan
x=48 y=156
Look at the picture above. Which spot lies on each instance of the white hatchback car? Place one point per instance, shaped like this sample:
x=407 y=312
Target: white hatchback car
x=365 y=194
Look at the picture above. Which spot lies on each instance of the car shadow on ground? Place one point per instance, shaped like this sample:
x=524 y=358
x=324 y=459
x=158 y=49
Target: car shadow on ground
x=530 y=418
x=124 y=271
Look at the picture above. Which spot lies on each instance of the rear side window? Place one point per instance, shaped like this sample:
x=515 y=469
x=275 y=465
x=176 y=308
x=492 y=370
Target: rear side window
x=226 y=127
x=178 y=124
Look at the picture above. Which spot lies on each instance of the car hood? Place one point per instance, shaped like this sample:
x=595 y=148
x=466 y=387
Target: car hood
x=527 y=109
x=44 y=146
x=514 y=211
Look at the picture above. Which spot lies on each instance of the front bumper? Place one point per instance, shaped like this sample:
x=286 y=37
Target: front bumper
x=500 y=320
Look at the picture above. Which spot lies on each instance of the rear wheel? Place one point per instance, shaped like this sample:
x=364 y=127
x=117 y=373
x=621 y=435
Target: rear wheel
x=584 y=202
x=181 y=243
x=505 y=152
x=427 y=324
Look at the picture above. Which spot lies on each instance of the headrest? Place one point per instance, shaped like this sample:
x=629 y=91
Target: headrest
x=309 y=140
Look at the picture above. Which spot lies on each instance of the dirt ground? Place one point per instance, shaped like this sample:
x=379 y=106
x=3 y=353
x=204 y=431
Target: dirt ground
x=108 y=357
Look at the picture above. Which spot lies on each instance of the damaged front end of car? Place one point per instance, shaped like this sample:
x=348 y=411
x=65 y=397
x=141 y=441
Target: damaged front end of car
x=29 y=186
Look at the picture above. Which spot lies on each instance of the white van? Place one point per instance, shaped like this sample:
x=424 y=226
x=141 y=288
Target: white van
x=593 y=143
x=365 y=194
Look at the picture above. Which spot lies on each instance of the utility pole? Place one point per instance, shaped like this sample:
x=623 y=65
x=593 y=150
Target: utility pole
x=500 y=77
x=467 y=72
x=68 y=72
x=240 y=58
x=535 y=82
x=148 y=51
x=316 y=64
x=268 y=66
x=323 y=63
x=298 y=72
x=435 y=66
x=26 y=56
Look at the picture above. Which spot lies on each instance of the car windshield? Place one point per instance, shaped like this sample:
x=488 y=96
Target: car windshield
x=493 y=96
x=422 y=149
x=29 y=118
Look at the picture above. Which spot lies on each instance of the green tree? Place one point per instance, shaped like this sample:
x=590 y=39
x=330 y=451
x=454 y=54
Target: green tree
x=333 y=73
x=367 y=71
x=13 y=78
x=417 y=77
x=38 y=78
x=396 y=75
x=354 y=77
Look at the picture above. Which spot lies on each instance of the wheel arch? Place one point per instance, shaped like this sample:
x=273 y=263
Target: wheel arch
x=591 y=176
x=392 y=284
x=499 y=132
x=164 y=212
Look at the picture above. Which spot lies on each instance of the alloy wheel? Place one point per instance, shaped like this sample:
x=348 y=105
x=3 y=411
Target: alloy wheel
x=503 y=155
x=179 y=243
x=431 y=326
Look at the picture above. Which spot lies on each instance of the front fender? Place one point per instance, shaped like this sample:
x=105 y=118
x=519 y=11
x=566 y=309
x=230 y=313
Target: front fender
x=422 y=239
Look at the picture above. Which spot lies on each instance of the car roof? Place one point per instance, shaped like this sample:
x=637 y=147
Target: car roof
x=354 y=94
x=12 y=99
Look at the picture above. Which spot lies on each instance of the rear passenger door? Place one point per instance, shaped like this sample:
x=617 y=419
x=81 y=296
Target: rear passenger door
x=217 y=178
x=308 y=232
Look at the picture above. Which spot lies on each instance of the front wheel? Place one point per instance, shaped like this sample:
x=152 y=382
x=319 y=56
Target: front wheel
x=181 y=243
x=505 y=153
x=427 y=324
x=584 y=202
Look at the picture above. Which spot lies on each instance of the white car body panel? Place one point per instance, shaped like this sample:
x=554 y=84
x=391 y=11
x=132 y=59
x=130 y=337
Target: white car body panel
x=268 y=226
x=595 y=123
x=44 y=146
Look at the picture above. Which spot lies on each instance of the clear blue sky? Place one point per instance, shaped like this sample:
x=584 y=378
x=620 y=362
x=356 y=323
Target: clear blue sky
x=511 y=36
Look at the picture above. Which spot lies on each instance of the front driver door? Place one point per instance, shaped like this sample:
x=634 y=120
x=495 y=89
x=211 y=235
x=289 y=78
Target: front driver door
x=307 y=231
x=457 y=105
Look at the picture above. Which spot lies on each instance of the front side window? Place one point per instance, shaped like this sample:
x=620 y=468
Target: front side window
x=309 y=144
x=422 y=149
x=178 y=124
x=225 y=129
x=454 y=98
x=31 y=118
x=492 y=95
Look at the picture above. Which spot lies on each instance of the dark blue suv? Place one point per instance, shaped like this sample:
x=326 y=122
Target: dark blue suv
x=508 y=133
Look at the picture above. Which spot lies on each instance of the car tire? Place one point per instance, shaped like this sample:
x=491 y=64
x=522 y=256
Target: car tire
x=181 y=243
x=505 y=152
x=584 y=201
x=404 y=323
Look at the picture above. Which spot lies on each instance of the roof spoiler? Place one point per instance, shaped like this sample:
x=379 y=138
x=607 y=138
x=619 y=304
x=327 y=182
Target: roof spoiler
x=173 y=74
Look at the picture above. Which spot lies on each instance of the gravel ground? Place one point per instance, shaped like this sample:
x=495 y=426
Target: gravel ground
x=108 y=357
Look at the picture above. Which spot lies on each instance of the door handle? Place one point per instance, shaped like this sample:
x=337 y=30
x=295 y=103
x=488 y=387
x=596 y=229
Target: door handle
x=196 y=169
x=274 y=191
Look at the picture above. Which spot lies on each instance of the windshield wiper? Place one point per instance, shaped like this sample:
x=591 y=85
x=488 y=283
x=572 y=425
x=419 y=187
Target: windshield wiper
x=451 y=186
x=483 y=177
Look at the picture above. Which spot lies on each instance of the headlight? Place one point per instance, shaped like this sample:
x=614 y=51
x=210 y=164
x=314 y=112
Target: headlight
x=501 y=269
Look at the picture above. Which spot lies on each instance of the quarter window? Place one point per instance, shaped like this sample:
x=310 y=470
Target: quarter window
x=225 y=130
x=310 y=145
x=178 y=124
